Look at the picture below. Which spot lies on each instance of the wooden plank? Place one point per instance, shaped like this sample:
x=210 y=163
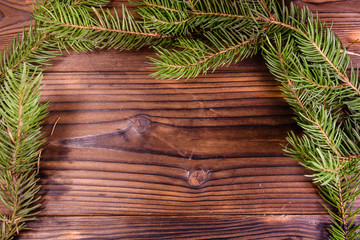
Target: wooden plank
x=180 y=227
x=144 y=184
x=127 y=143
x=214 y=105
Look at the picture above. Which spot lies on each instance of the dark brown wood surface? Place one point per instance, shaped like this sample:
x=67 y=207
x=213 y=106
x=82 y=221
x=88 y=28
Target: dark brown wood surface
x=133 y=157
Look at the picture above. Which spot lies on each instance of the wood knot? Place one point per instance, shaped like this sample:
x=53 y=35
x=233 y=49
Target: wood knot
x=198 y=177
x=141 y=124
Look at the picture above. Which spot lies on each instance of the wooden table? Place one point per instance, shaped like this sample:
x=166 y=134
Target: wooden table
x=133 y=157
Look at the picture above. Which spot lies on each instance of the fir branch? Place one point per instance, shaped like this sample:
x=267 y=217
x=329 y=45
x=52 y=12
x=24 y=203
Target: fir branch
x=191 y=61
x=321 y=85
x=167 y=17
x=101 y=28
x=313 y=44
x=332 y=62
x=328 y=164
x=341 y=194
x=182 y=18
x=298 y=16
x=33 y=47
x=20 y=131
x=274 y=55
x=88 y=4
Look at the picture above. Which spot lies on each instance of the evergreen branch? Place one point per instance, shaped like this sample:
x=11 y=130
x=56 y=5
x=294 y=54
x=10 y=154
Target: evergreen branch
x=25 y=56
x=191 y=61
x=170 y=18
x=272 y=21
x=336 y=170
x=277 y=23
x=20 y=131
x=341 y=194
x=342 y=75
x=275 y=58
x=317 y=47
x=349 y=158
x=296 y=25
x=320 y=85
x=182 y=18
x=328 y=169
x=246 y=9
x=33 y=47
x=101 y=28
x=212 y=55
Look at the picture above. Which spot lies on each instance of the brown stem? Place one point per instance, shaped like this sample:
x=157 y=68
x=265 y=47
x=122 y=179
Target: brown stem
x=330 y=170
x=97 y=15
x=342 y=211
x=18 y=133
x=152 y=34
x=192 y=4
x=348 y=158
x=173 y=23
x=225 y=15
x=265 y=7
x=320 y=85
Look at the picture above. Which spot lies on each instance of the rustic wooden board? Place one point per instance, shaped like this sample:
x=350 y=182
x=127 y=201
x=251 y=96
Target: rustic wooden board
x=134 y=157
x=139 y=227
x=127 y=143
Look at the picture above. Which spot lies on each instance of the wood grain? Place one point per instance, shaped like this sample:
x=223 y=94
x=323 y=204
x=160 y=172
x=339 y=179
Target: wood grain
x=230 y=227
x=133 y=157
x=127 y=143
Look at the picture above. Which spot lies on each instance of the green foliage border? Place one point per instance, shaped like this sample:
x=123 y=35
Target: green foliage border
x=301 y=52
